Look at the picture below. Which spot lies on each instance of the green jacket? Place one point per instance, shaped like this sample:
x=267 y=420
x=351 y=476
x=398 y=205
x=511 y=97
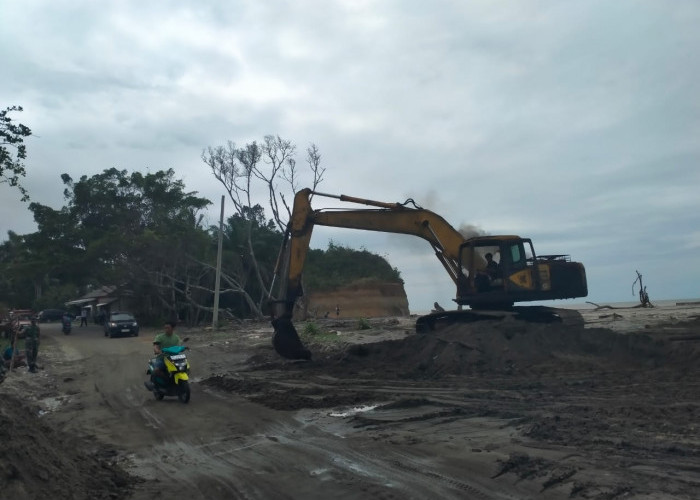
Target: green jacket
x=31 y=333
x=166 y=341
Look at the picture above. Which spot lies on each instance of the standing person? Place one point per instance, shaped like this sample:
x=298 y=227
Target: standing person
x=166 y=339
x=31 y=344
x=83 y=317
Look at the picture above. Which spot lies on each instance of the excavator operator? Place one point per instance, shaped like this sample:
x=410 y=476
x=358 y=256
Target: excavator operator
x=485 y=276
x=491 y=266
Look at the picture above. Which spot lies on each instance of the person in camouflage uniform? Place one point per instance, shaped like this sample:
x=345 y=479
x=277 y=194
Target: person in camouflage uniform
x=31 y=344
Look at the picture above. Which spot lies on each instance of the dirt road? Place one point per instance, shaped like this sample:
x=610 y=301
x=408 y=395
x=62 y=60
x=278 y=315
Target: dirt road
x=488 y=411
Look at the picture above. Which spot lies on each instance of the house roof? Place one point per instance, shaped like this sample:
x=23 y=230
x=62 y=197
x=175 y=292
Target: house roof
x=101 y=295
x=79 y=301
x=106 y=301
x=103 y=291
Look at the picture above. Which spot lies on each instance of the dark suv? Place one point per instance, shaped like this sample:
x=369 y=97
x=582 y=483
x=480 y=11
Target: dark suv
x=50 y=315
x=121 y=323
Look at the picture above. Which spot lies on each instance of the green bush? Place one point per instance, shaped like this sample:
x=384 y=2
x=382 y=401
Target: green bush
x=312 y=329
x=314 y=334
x=363 y=324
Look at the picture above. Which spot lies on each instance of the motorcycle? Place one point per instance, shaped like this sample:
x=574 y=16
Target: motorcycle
x=177 y=381
x=67 y=325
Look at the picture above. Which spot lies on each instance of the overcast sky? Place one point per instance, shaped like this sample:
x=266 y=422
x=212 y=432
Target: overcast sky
x=574 y=123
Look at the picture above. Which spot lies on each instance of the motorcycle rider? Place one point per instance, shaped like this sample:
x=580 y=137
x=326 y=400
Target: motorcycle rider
x=66 y=321
x=166 y=339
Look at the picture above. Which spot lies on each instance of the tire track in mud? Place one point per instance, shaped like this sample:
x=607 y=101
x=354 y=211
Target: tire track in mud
x=616 y=400
x=204 y=469
x=395 y=474
x=433 y=403
x=474 y=492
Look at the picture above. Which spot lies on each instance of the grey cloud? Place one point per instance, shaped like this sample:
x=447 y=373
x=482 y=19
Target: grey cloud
x=573 y=123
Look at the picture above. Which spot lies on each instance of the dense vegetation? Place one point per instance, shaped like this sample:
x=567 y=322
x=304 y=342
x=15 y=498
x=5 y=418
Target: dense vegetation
x=339 y=266
x=144 y=233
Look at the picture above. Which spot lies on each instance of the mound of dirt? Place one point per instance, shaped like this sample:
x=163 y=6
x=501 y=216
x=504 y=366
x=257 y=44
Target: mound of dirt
x=39 y=462
x=508 y=347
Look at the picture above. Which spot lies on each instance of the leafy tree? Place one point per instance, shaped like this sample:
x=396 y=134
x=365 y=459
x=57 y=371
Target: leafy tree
x=16 y=287
x=12 y=138
x=339 y=266
x=55 y=295
x=135 y=230
x=144 y=233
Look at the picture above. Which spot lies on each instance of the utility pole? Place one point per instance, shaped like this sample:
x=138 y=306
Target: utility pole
x=215 y=319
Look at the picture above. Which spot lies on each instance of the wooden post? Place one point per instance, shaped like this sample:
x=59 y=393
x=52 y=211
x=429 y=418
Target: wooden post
x=215 y=318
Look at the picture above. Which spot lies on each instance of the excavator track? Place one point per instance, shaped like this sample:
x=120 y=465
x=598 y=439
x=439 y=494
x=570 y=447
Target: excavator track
x=531 y=314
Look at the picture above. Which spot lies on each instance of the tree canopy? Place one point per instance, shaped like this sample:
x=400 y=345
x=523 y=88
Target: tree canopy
x=13 y=150
x=116 y=228
x=144 y=233
x=338 y=266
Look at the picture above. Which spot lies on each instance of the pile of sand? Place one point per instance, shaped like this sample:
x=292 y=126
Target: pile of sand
x=39 y=462
x=510 y=347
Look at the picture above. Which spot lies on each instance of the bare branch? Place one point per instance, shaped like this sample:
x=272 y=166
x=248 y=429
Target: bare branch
x=273 y=163
x=313 y=158
x=235 y=177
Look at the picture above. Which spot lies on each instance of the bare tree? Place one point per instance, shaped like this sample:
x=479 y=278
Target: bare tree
x=269 y=168
x=643 y=295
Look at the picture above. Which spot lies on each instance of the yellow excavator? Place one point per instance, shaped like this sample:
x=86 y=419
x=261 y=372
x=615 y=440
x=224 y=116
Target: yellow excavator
x=491 y=273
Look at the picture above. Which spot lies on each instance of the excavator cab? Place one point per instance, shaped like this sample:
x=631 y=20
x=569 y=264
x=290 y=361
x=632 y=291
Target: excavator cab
x=518 y=275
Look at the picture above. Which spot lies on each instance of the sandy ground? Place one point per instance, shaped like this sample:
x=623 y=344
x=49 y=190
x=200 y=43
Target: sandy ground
x=490 y=410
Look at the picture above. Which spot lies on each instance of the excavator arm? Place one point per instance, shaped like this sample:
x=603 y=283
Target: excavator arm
x=385 y=217
x=389 y=218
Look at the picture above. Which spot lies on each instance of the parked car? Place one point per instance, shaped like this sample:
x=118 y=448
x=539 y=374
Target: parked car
x=21 y=319
x=121 y=323
x=50 y=315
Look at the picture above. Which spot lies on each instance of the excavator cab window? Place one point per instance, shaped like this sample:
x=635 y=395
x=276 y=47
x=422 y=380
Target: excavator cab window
x=520 y=254
x=481 y=265
x=517 y=258
x=491 y=255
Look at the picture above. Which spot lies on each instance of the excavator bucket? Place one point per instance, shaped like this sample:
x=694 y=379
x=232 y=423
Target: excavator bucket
x=286 y=340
